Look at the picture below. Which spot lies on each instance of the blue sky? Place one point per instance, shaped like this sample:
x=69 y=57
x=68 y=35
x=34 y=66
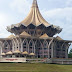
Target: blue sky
x=57 y=12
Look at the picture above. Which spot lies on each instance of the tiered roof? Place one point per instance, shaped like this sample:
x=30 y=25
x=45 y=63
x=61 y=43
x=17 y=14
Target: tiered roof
x=3 y=54
x=59 y=38
x=11 y=36
x=17 y=51
x=25 y=34
x=25 y=52
x=44 y=36
x=9 y=53
x=34 y=17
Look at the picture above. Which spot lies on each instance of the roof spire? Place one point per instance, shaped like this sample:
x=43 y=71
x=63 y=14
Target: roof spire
x=34 y=3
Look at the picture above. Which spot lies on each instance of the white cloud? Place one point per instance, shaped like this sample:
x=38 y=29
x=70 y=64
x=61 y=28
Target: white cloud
x=61 y=17
x=4 y=21
x=69 y=3
x=22 y=6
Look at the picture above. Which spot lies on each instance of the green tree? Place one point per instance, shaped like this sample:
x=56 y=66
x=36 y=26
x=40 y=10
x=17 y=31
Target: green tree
x=70 y=54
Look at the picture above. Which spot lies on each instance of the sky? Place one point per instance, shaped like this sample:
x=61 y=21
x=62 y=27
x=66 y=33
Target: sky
x=56 y=12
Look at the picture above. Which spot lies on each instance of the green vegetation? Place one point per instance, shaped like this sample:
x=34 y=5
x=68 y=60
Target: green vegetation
x=70 y=54
x=25 y=67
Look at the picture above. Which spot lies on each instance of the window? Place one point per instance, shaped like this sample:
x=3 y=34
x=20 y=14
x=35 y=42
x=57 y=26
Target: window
x=39 y=52
x=63 y=50
x=40 y=48
x=31 y=46
x=45 y=56
x=50 y=47
x=30 y=51
x=45 y=48
x=31 y=32
x=45 y=52
x=10 y=48
x=63 y=57
x=57 y=56
x=50 y=56
x=58 y=50
x=25 y=45
x=58 y=46
x=6 y=45
x=45 y=45
x=5 y=48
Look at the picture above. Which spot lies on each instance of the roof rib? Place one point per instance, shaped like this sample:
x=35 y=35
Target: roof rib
x=34 y=17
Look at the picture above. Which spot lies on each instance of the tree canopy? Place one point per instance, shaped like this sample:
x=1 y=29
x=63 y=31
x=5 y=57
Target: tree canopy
x=70 y=54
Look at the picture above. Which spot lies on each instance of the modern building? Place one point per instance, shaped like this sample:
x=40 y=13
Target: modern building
x=34 y=36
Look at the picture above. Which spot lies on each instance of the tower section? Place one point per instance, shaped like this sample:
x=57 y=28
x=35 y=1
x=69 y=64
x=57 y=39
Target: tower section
x=34 y=24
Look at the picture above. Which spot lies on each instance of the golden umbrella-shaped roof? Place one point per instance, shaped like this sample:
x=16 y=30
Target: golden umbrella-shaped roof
x=11 y=36
x=25 y=34
x=59 y=38
x=25 y=52
x=17 y=51
x=9 y=53
x=3 y=54
x=34 y=17
x=32 y=54
x=45 y=36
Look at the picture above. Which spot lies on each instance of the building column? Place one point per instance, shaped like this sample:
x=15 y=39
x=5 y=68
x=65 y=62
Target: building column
x=43 y=51
x=52 y=52
x=15 y=46
x=49 y=47
x=0 y=51
x=62 y=50
x=28 y=48
x=21 y=47
x=48 y=52
x=34 y=48
x=66 y=53
x=12 y=47
x=18 y=46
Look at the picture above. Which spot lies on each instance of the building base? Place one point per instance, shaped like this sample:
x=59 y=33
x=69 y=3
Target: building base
x=61 y=61
x=12 y=60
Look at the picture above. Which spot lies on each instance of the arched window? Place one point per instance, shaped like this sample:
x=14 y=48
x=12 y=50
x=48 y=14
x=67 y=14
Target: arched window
x=10 y=46
x=14 y=45
x=6 y=47
x=25 y=45
x=39 y=49
x=17 y=44
x=45 y=45
x=31 y=46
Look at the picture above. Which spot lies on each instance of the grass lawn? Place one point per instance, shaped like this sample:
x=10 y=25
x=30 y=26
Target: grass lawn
x=23 y=67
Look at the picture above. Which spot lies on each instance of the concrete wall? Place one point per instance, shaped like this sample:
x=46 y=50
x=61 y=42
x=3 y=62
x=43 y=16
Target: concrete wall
x=12 y=59
x=62 y=61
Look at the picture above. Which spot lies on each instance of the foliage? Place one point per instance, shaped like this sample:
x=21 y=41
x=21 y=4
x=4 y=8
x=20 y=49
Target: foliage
x=70 y=54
